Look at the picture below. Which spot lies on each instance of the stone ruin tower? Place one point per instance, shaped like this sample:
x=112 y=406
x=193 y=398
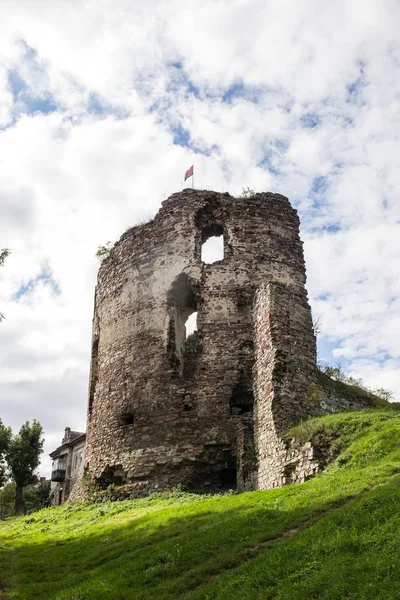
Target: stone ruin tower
x=204 y=410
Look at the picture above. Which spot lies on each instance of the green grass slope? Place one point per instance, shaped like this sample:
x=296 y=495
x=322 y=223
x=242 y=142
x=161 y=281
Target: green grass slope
x=335 y=537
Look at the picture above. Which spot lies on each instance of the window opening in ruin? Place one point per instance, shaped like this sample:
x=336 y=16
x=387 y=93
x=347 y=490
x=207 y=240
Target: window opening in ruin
x=191 y=324
x=227 y=478
x=94 y=373
x=183 y=337
x=126 y=419
x=112 y=475
x=212 y=249
x=241 y=402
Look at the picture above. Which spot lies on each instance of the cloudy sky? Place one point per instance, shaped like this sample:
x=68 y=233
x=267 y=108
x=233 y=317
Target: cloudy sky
x=105 y=103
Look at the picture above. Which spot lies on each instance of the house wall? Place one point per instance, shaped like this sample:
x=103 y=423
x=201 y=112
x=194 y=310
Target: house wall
x=75 y=454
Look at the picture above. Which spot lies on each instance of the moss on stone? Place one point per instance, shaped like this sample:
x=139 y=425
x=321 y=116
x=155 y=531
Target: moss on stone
x=315 y=395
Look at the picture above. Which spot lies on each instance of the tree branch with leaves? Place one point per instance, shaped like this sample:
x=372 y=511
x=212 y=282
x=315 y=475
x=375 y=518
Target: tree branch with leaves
x=23 y=457
x=3 y=255
x=5 y=438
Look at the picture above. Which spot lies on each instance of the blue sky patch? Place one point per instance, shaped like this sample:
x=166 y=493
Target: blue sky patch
x=266 y=163
x=281 y=145
x=331 y=228
x=16 y=84
x=325 y=348
x=45 y=276
x=319 y=185
x=179 y=80
x=239 y=90
x=181 y=136
x=355 y=88
x=318 y=188
x=100 y=107
x=310 y=120
x=25 y=101
x=96 y=105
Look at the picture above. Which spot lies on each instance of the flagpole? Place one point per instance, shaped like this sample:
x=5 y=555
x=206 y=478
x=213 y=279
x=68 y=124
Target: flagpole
x=193 y=180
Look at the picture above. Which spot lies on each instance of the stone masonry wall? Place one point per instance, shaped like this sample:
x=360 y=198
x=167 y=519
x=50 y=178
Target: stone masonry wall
x=284 y=370
x=205 y=411
x=164 y=410
x=288 y=387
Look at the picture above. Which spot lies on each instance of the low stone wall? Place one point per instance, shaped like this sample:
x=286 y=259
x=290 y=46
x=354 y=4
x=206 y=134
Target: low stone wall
x=299 y=464
x=129 y=491
x=83 y=491
x=78 y=491
x=284 y=371
x=330 y=396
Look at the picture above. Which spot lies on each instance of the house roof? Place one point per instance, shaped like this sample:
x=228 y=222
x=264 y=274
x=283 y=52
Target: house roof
x=75 y=437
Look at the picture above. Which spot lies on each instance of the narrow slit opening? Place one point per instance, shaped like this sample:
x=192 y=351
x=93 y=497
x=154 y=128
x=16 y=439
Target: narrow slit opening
x=191 y=324
x=126 y=419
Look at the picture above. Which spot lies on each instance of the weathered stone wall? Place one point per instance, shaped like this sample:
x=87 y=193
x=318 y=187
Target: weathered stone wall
x=162 y=410
x=207 y=411
x=330 y=395
x=284 y=370
x=246 y=456
x=299 y=464
x=288 y=387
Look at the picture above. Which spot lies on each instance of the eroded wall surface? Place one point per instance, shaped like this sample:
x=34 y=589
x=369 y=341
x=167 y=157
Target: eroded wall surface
x=284 y=373
x=164 y=409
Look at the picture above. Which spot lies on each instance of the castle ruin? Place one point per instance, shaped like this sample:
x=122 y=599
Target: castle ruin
x=205 y=410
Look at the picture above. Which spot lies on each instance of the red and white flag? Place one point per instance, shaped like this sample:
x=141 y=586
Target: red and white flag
x=188 y=173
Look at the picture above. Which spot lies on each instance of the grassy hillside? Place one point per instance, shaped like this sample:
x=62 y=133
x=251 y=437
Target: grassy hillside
x=334 y=537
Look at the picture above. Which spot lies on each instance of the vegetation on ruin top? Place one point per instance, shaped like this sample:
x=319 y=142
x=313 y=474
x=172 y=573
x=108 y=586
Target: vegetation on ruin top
x=334 y=537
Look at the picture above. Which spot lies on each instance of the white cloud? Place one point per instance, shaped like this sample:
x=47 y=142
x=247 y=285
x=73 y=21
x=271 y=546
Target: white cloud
x=298 y=98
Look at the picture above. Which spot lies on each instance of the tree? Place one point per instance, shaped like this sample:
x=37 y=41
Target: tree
x=36 y=496
x=248 y=192
x=3 y=255
x=317 y=325
x=104 y=251
x=5 y=437
x=7 y=497
x=384 y=394
x=23 y=457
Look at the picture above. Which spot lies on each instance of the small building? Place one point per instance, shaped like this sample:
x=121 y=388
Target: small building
x=67 y=466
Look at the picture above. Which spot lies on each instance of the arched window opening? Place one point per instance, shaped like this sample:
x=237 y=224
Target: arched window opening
x=212 y=249
x=183 y=298
x=241 y=402
x=227 y=478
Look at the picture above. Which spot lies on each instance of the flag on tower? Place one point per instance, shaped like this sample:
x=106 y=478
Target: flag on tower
x=188 y=173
